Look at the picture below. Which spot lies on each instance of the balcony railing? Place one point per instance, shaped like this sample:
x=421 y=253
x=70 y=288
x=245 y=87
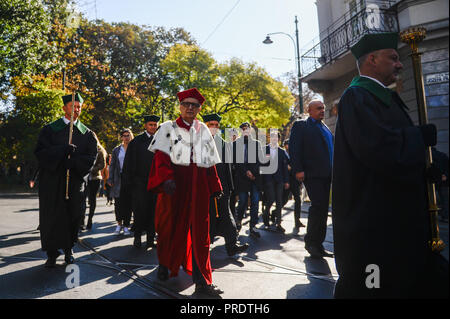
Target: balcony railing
x=370 y=19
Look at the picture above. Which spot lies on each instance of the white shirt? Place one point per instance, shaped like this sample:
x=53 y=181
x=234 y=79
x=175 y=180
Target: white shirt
x=273 y=151
x=375 y=81
x=148 y=134
x=68 y=121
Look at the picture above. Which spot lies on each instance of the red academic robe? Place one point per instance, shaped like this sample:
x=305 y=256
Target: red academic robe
x=182 y=219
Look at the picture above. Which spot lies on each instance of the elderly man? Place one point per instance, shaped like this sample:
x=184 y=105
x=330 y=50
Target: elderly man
x=380 y=219
x=184 y=174
x=135 y=172
x=59 y=217
x=311 y=153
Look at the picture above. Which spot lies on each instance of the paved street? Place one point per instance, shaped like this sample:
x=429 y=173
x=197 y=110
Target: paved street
x=276 y=266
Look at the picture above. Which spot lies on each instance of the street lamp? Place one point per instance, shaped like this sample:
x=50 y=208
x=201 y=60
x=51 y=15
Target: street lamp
x=297 y=56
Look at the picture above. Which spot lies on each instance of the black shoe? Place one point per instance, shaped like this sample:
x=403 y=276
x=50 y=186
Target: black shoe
x=51 y=261
x=89 y=224
x=163 y=273
x=137 y=242
x=150 y=242
x=299 y=224
x=236 y=249
x=210 y=290
x=314 y=251
x=272 y=218
x=68 y=258
x=326 y=254
x=254 y=233
x=280 y=229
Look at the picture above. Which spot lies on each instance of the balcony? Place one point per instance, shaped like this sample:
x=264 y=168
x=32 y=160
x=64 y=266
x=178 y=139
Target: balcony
x=336 y=41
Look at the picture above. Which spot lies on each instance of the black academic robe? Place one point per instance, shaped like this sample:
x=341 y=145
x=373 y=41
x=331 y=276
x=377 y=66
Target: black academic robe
x=378 y=193
x=135 y=174
x=221 y=219
x=60 y=218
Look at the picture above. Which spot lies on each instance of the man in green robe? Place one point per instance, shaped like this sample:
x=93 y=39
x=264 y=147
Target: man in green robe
x=59 y=217
x=380 y=221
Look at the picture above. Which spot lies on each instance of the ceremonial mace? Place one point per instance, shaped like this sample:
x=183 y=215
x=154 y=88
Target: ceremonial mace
x=72 y=22
x=413 y=36
x=70 y=142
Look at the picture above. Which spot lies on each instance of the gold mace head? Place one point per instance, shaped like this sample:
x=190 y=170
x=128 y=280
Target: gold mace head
x=413 y=36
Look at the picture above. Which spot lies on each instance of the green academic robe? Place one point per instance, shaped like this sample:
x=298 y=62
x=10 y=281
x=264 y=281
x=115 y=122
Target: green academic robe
x=60 y=218
x=379 y=200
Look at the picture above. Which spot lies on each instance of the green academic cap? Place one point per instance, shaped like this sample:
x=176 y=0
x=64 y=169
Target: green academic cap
x=151 y=118
x=373 y=42
x=211 y=117
x=68 y=98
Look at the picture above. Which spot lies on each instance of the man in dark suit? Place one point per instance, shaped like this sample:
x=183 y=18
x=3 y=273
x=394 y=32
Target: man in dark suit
x=135 y=172
x=276 y=181
x=247 y=154
x=311 y=152
x=295 y=187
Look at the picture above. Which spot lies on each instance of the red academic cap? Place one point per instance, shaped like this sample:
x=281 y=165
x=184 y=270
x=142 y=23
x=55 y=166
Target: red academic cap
x=191 y=93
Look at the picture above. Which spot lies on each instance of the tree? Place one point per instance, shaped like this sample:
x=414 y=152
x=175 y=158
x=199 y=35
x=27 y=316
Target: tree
x=20 y=128
x=291 y=80
x=237 y=91
x=26 y=48
x=117 y=66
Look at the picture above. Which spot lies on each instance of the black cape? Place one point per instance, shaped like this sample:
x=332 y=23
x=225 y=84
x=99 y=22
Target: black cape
x=60 y=218
x=379 y=201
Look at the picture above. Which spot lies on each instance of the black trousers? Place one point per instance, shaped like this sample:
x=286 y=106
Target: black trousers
x=294 y=188
x=273 y=193
x=319 y=194
x=144 y=203
x=223 y=225
x=92 y=190
x=122 y=207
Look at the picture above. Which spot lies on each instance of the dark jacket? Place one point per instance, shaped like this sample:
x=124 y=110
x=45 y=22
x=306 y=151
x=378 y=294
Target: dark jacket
x=252 y=163
x=282 y=173
x=308 y=150
x=224 y=168
x=137 y=162
x=441 y=160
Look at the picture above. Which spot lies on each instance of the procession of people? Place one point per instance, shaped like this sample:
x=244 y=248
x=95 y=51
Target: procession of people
x=182 y=184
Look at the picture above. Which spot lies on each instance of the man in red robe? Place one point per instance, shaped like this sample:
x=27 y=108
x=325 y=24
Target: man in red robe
x=184 y=175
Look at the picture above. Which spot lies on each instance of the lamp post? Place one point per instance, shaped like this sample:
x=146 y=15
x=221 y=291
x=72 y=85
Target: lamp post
x=297 y=56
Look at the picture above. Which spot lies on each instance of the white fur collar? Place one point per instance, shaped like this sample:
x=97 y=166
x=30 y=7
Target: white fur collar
x=179 y=143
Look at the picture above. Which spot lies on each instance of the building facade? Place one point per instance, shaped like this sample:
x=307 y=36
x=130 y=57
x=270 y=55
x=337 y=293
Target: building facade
x=328 y=65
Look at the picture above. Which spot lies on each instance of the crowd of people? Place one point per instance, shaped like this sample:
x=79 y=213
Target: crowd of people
x=183 y=184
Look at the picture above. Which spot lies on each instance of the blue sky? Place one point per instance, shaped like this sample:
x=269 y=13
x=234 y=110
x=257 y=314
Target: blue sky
x=239 y=35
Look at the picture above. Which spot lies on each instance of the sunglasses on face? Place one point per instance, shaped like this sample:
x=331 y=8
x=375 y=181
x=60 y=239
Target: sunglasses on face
x=189 y=104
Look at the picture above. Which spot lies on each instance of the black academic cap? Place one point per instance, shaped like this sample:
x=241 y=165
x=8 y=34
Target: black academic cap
x=68 y=98
x=373 y=42
x=244 y=125
x=211 y=117
x=151 y=118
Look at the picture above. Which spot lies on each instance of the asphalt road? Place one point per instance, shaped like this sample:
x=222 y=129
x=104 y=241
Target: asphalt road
x=276 y=266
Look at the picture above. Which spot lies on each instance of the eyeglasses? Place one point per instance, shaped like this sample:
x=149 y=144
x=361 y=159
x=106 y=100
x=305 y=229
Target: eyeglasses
x=126 y=135
x=188 y=104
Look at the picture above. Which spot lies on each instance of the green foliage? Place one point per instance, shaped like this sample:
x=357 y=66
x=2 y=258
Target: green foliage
x=237 y=91
x=122 y=70
x=25 y=46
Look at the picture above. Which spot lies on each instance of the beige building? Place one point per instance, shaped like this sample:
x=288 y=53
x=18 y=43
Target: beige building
x=328 y=65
